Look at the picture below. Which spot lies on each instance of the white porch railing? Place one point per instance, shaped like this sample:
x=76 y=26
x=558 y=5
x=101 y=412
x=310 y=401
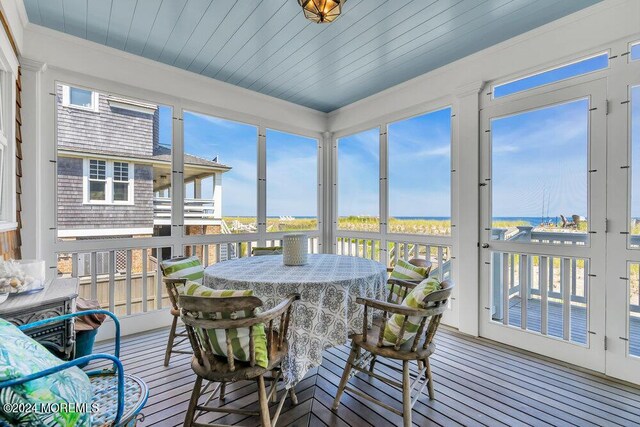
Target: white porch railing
x=128 y=281
x=369 y=247
x=196 y=211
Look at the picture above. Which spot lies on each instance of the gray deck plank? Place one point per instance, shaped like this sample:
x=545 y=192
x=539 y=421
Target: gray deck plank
x=477 y=382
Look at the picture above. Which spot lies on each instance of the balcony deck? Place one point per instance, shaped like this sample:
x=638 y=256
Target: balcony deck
x=578 y=324
x=477 y=382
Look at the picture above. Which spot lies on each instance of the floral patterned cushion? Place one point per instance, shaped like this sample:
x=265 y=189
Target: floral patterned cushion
x=20 y=356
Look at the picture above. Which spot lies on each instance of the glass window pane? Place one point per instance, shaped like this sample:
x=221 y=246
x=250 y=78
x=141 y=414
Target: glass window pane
x=97 y=190
x=80 y=97
x=635 y=52
x=292 y=182
x=359 y=181
x=120 y=171
x=120 y=191
x=420 y=174
x=539 y=175
x=97 y=169
x=551 y=76
x=140 y=139
x=220 y=175
x=634 y=223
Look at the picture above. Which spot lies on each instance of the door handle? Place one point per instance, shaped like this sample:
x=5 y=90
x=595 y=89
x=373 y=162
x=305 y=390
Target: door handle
x=485 y=245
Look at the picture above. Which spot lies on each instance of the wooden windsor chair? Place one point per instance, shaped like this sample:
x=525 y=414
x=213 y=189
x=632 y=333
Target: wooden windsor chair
x=405 y=286
x=197 y=313
x=369 y=344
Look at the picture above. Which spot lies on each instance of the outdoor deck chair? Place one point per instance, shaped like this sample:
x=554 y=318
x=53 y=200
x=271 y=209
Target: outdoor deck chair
x=177 y=336
x=576 y=221
x=369 y=345
x=566 y=223
x=209 y=319
x=266 y=250
x=118 y=397
x=398 y=288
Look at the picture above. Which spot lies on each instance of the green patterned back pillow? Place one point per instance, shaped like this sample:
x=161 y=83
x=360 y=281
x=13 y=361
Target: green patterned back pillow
x=266 y=250
x=183 y=268
x=20 y=356
x=406 y=271
x=415 y=299
x=239 y=336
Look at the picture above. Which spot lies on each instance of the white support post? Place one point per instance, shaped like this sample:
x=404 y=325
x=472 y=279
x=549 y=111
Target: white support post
x=177 y=178
x=262 y=186
x=327 y=195
x=466 y=233
x=384 y=191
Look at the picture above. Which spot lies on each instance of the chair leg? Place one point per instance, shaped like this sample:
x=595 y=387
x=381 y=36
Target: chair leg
x=265 y=418
x=223 y=389
x=345 y=377
x=406 y=394
x=172 y=337
x=432 y=393
x=292 y=396
x=193 y=402
x=372 y=364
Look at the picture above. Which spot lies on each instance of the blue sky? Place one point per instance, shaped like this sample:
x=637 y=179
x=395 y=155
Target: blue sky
x=359 y=174
x=292 y=174
x=538 y=157
x=420 y=165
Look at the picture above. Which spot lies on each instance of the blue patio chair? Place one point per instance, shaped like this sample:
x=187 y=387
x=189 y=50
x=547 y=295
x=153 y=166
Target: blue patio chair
x=118 y=397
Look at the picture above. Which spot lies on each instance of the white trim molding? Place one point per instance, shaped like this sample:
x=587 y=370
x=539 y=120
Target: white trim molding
x=104 y=232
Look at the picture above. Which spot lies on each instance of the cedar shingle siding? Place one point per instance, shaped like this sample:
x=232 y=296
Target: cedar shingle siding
x=111 y=131
x=73 y=214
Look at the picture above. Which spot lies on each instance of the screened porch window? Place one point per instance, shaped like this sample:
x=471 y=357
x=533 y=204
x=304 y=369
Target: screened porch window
x=420 y=163
x=359 y=181
x=574 y=69
x=635 y=52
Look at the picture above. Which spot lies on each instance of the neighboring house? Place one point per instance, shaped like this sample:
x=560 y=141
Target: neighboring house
x=114 y=176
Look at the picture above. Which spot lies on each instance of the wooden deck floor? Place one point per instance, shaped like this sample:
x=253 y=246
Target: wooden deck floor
x=477 y=382
x=577 y=326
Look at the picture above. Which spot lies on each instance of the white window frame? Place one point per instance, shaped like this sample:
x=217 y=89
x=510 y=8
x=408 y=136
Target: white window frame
x=128 y=181
x=109 y=183
x=66 y=99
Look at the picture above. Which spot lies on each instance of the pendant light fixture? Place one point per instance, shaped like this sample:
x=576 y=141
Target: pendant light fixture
x=321 y=11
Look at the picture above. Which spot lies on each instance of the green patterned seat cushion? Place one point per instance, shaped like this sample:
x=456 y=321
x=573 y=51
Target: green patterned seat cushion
x=415 y=299
x=239 y=336
x=406 y=271
x=20 y=356
x=188 y=268
x=266 y=250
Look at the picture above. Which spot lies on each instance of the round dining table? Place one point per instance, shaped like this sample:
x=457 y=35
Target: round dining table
x=327 y=311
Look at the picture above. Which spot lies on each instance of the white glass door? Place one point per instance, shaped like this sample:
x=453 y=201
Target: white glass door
x=623 y=211
x=543 y=242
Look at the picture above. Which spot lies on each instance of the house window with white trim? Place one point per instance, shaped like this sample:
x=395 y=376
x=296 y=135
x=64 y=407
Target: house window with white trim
x=76 y=97
x=120 y=182
x=97 y=180
x=108 y=182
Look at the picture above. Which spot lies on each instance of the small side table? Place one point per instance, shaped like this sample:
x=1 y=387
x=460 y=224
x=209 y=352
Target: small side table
x=58 y=298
